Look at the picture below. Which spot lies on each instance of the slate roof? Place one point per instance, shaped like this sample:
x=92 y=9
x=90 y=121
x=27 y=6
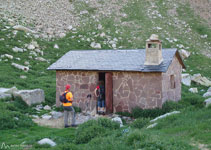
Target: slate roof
x=111 y=60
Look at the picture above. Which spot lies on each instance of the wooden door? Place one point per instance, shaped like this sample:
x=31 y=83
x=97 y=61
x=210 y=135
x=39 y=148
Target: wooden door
x=109 y=92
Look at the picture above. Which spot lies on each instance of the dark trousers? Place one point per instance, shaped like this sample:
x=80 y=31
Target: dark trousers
x=67 y=111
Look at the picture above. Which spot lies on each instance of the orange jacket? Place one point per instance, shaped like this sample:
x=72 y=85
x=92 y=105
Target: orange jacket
x=69 y=97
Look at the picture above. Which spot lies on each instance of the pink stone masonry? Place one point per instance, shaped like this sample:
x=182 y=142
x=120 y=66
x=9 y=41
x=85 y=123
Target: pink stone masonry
x=170 y=93
x=82 y=83
x=136 y=89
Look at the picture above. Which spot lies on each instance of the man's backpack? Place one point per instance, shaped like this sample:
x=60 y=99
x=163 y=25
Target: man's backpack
x=102 y=92
x=62 y=98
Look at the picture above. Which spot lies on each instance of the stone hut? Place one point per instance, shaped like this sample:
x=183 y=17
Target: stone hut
x=143 y=78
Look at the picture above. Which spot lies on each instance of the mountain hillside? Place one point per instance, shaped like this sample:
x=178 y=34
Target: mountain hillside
x=35 y=34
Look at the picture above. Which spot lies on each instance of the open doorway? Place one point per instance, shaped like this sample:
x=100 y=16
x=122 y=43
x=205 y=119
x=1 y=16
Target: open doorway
x=105 y=79
x=101 y=103
x=102 y=77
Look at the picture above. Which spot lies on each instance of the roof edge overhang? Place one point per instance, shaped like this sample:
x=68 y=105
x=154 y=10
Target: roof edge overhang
x=180 y=59
x=106 y=70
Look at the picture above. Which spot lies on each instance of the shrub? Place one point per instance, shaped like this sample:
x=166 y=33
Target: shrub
x=107 y=123
x=94 y=128
x=11 y=116
x=140 y=123
x=196 y=101
x=9 y=120
x=127 y=114
x=86 y=134
x=66 y=146
x=146 y=113
x=134 y=137
x=171 y=105
x=77 y=109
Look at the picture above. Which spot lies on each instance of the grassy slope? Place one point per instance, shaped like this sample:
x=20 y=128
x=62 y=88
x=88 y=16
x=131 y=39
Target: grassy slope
x=192 y=126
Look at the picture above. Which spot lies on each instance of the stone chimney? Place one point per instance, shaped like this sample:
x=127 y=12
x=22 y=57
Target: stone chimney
x=153 y=54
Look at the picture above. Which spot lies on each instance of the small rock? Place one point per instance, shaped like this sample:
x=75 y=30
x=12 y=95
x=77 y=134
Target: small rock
x=165 y=115
x=204 y=36
x=39 y=51
x=18 y=58
x=24 y=68
x=22 y=28
x=35 y=44
x=26 y=63
x=47 y=107
x=56 y=115
x=186 y=79
x=193 y=90
x=23 y=77
x=84 y=12
x=114 y=45
x=70 y=27
x=99 y=27
x=61 y=35
x=102 y=34
x=46 y=116
x=16 y=49
x=152 y=125
x=40 y=59
x=207 y=102
x=8 y=56
x=56 y=46
x=118 y=120
x=47 y=141
x=35 y=116
x=31 y=46
x=16 y=118
x=5 y=95
x=95 y=45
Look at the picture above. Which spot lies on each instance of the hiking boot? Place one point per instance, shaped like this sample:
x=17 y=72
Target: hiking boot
x=66 y=126
x=73 y=125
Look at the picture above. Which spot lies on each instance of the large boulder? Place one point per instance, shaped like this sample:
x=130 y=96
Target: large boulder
x=3 y=96
x=7 y=92
x=201 y=80
x=207 y=102
x=56 y=115
x=184 y=53
x=207 y=94
x=35 y=96
x=186 y=79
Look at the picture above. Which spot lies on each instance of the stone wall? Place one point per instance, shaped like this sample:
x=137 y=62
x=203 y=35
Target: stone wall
x=82 y=83
x=170 y=93
x=136 y=89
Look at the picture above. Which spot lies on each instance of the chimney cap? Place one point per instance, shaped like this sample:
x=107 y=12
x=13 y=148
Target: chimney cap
x=153 y=37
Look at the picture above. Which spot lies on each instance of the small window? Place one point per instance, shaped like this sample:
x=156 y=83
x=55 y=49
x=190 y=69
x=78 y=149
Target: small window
x=151 y=45
x=172 y=82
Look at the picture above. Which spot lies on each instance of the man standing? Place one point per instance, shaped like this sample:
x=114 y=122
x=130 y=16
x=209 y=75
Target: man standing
x=68 y=108
x=100 y=94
